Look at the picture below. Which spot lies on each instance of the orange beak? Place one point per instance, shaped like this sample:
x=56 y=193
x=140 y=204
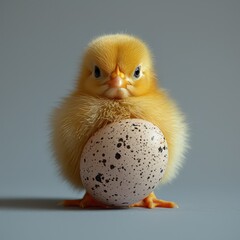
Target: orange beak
x=117 y=79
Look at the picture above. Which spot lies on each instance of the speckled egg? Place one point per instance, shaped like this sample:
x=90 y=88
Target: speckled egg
x=123 y=162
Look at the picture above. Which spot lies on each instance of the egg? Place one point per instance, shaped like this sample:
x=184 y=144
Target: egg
x=123 y=162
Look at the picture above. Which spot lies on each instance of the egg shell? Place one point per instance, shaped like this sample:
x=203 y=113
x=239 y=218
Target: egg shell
x=123 y=162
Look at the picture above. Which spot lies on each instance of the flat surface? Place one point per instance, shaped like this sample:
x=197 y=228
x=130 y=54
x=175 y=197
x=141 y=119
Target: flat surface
x=196 y=48
x=199 y=217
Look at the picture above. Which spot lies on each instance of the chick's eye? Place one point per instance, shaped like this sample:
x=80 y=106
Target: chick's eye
x=137 y=72
x=97 y=72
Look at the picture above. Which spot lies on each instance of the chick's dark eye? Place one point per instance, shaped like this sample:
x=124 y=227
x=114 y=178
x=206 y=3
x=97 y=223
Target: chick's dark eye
x=97 y=72
x=137 y=72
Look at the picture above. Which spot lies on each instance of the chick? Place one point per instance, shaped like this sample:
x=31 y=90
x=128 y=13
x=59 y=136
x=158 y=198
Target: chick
x=116 y=81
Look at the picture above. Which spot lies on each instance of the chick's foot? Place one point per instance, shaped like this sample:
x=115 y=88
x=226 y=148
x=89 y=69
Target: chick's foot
x=151 y=201
x=86 y=202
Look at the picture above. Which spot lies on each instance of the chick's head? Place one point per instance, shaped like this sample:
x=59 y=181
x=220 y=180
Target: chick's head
x=117 y=66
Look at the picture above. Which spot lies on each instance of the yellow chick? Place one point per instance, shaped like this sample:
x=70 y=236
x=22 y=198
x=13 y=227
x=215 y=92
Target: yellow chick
x=116 y=81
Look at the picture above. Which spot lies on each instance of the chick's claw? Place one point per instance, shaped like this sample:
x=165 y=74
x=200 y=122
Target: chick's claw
x=151 y=201
x=86 y=202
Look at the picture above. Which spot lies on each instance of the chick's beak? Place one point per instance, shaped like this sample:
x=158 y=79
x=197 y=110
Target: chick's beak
x=117 y=79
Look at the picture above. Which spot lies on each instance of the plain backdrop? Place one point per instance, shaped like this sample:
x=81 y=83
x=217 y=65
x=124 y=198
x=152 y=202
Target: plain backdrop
x=196 y=45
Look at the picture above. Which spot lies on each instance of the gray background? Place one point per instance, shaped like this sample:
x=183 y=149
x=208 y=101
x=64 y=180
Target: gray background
x=197 y=56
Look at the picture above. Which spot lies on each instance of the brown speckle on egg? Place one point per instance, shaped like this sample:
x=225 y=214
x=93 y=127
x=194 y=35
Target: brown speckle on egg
x=112 y=166
x=117 y=155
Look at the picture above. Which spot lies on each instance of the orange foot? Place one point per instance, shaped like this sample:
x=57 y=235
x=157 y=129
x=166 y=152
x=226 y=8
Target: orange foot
x=86 y=202
x=151 y=201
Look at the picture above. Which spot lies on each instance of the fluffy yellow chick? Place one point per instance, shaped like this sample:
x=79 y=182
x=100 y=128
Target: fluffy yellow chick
x=116 y=81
